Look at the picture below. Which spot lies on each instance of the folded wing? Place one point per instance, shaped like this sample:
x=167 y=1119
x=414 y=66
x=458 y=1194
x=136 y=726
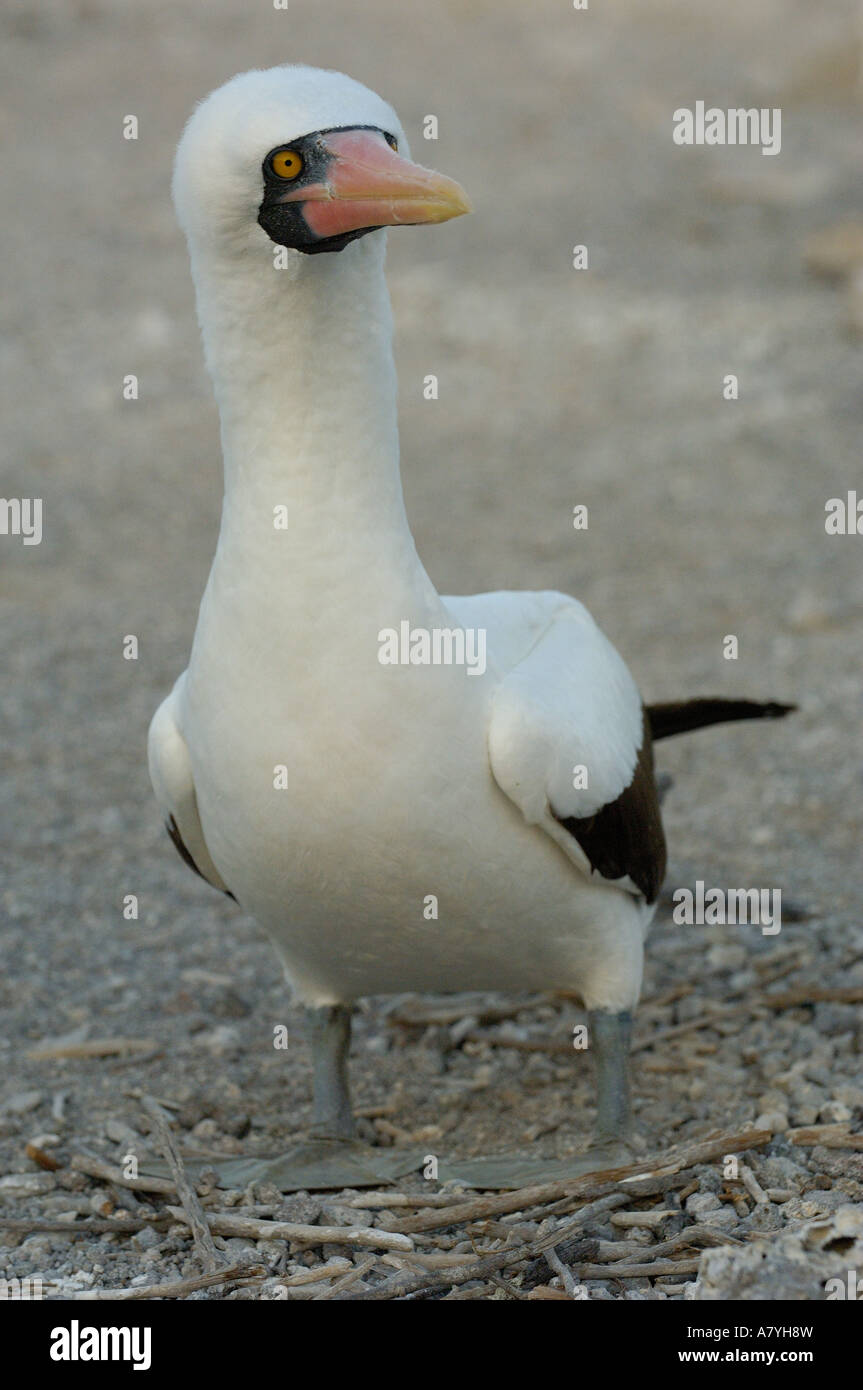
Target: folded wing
x=570 y=744
x=174 y=785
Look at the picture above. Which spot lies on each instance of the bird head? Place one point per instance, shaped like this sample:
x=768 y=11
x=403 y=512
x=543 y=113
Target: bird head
x=312 y=157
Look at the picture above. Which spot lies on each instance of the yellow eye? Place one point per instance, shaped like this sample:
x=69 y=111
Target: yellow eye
x=287 y=164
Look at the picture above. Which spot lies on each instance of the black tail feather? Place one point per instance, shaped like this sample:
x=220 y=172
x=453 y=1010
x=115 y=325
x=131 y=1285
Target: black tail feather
x=682 y=716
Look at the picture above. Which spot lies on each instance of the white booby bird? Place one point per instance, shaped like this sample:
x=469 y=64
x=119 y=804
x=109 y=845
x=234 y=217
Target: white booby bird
x=329 y=793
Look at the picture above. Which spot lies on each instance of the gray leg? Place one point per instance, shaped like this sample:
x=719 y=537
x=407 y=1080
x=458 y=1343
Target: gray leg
x=610 y=1040
x=330 y=1037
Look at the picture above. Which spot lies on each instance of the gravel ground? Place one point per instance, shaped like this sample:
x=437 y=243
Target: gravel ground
x=558 y=387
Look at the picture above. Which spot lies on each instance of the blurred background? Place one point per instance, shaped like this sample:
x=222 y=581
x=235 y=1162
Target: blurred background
x=557 y=387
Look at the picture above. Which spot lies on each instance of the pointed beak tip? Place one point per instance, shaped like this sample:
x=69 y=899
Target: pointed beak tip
x=464 y=203
x=451 y=200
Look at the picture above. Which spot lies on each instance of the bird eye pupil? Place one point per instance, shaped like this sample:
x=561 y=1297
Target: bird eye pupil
x=391 y=141
x=287 y=164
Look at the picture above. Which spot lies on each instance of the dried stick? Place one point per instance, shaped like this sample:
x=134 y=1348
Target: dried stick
x=832 y=1136
x=347 y=1279
x=97 y=1047
x=376 y=1200
x=752 y=1185
x=648 y=1187
x=123 y=1225
x=656 y=1270
x=201 y=1234
x=814 y=994
x=435 y=1259
x=98 y=1168
x=331 y=1270
x=694 y=1025
x=557 y=1267
x=227 y=1274
x=647 y=1219
x=692 y=1235
x=223 y=1224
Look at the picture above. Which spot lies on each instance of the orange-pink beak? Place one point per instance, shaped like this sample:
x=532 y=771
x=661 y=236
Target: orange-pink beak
x=368 y=185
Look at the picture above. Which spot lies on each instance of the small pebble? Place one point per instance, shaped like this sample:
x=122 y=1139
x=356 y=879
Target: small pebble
x=726 y=1218
x=26 y=1184
x=701 y=1202
x=22 y=1102
x=834 y=1112
x=146 y=1239
x=774 y=1120
x=120 y=1133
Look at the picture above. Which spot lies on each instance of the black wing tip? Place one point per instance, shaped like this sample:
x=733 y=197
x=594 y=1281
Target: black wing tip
x=685 y=716
x=774 y=710
x=624 y=838
x=177 y=840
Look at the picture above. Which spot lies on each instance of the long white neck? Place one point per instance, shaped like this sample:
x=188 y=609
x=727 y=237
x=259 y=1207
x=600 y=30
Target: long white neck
x=302 y=363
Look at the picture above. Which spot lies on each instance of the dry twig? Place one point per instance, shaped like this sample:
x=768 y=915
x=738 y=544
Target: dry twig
x=228 y=1274
x=195 y=1218
x=227 y=1224
x=107 y=1172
